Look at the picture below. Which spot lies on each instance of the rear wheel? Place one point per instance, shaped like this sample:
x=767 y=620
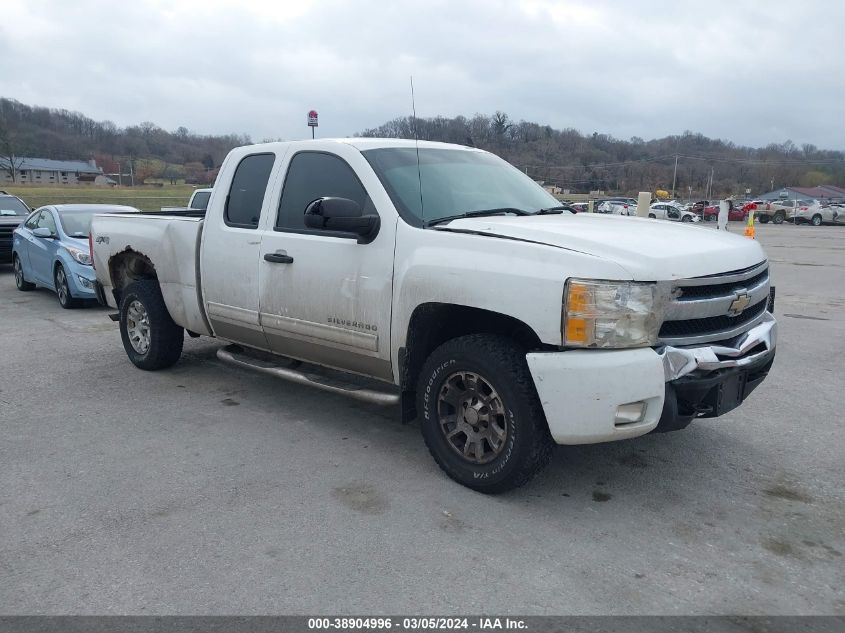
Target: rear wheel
x=150 y=337
x=20 y=281
x=764 y=219
x=817 y=220
x=778 y=218
x=481 y=418
x=63 y=289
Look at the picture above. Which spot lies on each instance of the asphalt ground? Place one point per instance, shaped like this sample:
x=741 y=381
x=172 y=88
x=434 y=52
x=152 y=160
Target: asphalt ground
x=205 y=489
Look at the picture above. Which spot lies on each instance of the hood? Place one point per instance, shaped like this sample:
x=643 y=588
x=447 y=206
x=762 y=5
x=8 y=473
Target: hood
x=650 y=250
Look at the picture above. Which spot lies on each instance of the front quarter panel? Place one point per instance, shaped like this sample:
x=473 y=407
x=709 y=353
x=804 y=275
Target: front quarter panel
x=520 y=279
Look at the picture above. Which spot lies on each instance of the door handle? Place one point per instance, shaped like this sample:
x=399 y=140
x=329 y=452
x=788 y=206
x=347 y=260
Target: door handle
x=279 y=257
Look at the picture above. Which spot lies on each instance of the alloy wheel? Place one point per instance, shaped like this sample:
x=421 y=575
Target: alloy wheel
x=472 y=417
x=138 y=327
x=61 y=286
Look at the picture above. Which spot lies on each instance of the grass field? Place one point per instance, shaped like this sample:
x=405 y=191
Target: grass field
x=144 y=198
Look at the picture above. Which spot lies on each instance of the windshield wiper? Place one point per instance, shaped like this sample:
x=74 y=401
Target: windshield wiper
x=553 y=210
x=477 y=214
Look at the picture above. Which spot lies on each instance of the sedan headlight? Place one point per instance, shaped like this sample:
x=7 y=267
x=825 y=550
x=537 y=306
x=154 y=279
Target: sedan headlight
x=609 y=314
x=83 y=257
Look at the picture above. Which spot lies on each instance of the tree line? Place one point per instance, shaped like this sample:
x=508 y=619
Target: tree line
x=140 y=151
x=583 y=163
x=567 y=158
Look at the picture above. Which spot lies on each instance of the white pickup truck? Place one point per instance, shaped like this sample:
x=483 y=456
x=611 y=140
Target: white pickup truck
x=442 y=279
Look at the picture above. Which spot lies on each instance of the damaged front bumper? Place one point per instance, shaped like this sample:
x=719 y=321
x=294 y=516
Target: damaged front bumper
x=711 y=380
x=587 y=395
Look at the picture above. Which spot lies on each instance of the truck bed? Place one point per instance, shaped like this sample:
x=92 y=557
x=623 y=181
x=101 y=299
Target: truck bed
x=171 y=243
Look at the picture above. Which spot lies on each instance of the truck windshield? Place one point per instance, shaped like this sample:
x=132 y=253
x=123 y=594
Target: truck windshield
x=452 y=182
x=9 y=205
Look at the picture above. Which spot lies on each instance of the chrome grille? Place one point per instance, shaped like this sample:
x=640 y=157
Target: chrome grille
x=705 y=309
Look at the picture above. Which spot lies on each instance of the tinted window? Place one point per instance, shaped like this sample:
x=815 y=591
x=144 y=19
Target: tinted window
x=246 y=195
x=46 y=221
x=200 y=200
x=32 y=222
x=313 y=175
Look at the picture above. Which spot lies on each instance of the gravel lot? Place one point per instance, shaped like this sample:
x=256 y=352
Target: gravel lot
x=205 y=489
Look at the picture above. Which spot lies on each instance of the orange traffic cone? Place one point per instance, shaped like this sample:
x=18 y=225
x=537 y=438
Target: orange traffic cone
x=749 y=226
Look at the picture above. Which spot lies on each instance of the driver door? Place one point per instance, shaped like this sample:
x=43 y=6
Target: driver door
x=325 y=298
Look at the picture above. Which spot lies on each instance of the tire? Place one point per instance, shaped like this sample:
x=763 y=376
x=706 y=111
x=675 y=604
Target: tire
x=778 y=218
x=495 y=366
x=150 y=337
x=66 y=300
x=816 y=220
x=764 y=219
x=652 y=216
x=22 y=284
x=686 y=218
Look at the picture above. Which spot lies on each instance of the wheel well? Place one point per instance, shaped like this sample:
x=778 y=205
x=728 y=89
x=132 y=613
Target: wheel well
x=127 y=267
x=432 y=324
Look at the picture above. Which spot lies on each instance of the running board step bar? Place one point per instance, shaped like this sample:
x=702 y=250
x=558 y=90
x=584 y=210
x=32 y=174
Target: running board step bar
x=237 y=356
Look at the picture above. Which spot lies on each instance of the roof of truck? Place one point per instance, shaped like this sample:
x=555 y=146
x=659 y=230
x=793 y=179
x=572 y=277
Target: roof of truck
x=362 y=143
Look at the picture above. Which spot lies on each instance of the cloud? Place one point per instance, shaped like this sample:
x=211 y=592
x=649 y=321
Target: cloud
x=746 y=71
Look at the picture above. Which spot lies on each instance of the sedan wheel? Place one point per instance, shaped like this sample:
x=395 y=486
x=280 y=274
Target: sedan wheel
x=817 y=220
x=20 y=281
x=63 y=289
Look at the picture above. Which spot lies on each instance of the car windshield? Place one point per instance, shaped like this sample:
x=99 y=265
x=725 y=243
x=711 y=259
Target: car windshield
x=76 y=223
x=9 y=205
x=449 y=182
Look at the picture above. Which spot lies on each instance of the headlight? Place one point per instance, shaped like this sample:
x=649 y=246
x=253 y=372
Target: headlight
x=83 y=257
x=609 y=314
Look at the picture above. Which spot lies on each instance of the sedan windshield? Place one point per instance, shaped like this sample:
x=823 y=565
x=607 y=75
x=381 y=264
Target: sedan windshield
x=450 y=182
x=9 y=205
x=76 y=223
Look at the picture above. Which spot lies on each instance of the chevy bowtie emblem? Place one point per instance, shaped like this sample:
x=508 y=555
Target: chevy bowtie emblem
x=739 y=303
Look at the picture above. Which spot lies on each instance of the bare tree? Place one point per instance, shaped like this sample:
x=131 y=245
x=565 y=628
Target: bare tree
x=9 y=162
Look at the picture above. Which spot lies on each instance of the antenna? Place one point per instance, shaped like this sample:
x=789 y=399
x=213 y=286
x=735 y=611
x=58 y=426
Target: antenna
x=417 y=146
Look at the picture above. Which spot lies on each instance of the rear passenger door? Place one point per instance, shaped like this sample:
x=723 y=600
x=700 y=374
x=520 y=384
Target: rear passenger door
x=230 y=251
x=325 y=298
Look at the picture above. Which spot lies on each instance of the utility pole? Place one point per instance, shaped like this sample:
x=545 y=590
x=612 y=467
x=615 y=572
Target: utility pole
x=131 y=174
x=674 y=177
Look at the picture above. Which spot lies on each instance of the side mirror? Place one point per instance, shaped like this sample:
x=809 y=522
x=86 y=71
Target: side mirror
x=42 y=231
x=342 y=215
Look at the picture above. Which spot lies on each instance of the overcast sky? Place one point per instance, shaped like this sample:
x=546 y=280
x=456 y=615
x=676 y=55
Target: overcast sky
x=753 y=72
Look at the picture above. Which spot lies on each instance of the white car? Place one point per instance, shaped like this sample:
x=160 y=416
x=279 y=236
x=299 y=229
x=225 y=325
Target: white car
x=617 y=207
x=812 y=212
x=443 y=281
x=672 y=211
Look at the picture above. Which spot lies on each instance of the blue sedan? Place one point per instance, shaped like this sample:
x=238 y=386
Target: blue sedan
x=50 y=249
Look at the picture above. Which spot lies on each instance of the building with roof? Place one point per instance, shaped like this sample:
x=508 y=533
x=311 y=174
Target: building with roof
x=822 y=193
x=44 y=171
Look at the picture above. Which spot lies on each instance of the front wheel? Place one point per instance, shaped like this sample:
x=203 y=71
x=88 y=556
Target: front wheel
x=652 y=216
x=686 y=218
x=21 y=283
x=63 y=289
x=481 y=418
x=763 y=219
x=817 y=220
x=150 y=337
